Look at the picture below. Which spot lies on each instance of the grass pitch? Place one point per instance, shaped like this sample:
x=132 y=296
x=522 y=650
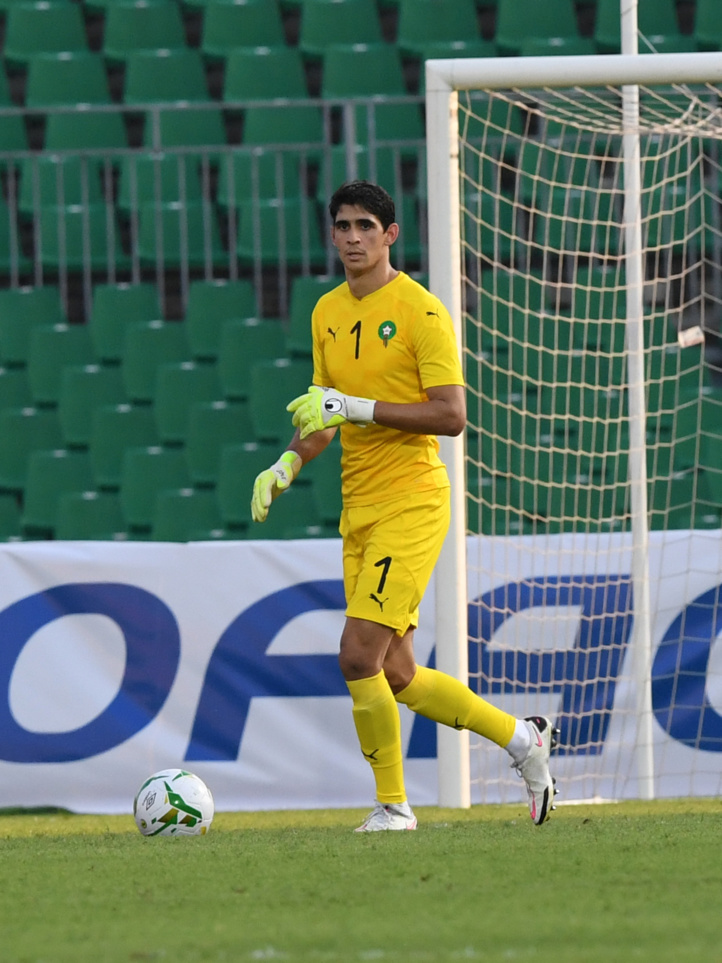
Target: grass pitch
x=629 y=882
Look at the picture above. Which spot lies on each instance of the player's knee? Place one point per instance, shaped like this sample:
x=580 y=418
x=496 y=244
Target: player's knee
x=357 y=663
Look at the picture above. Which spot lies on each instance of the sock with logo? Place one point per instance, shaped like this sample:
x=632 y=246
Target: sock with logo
x=446 y=700
x=376 y=717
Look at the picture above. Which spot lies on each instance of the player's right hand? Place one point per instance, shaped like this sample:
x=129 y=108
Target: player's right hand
x=271 y=482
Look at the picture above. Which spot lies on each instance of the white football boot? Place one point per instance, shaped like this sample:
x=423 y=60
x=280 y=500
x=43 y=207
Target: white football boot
x=534 y=768
x=388 y=816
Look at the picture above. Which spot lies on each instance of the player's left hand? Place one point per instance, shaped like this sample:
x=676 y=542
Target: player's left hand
x=323 y=408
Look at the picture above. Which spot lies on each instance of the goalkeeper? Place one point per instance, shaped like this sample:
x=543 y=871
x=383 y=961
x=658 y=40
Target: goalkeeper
x=387 y=374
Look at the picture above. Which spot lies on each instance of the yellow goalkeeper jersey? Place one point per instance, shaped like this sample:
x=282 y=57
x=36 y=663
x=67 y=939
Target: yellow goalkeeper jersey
x=389 y=346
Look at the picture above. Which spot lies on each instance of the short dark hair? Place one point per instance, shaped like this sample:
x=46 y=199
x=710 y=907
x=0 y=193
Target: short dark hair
x=371 y=197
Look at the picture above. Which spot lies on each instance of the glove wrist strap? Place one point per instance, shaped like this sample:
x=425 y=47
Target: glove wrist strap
x=292 y=462
x=360 y=410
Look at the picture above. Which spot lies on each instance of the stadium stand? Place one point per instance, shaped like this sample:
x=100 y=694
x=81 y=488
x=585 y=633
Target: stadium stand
x=158 y=264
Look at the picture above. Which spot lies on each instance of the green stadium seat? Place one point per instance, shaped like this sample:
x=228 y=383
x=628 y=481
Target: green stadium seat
x=578 y=220
x=277 y=123
x=85 y=130
x=186 y=515
x=324 y=476
x=228 y=25
x=557 y=47
x=186 y=127
x=452 y=50
x=325 y=22
x=239 y=464
x=47 y=179
x=23 y=431
x=422 y=22
x=147 y=345
x=165 y=76
x=382 y=165
x=377 y=120
x=490 y=225
x=362 y=70
x=258 y=173
x=305 y=292
x=711 y=463
x=672 y=374
x=145 y=472
x=20 y=310
x=569 y=162
x=138 y=25
x=210 y=305
x=113 y=307
x=211 y=425
x=114 y=429
x=671 y=500
x=52 y=346
x=280 y=232
x=179 y=385
x=50 y=473
x=242 y=343
x=84 y=387
x=707 y=26
x=189 y=235
x=157 y=178
x=674 y=216
x=372 y=71
x=292 y=515
x=89 y=515
x=10 y=519
x=264 y=73
x=409 y=248
x=66 y=79
x=274 y=74
x=42 y=27
x=13 y=134
x=14 y=388
x=13 y=262
x=656 y=19
x=273 y=385
x=520 y=20
x=599 y=294
x=78 y=237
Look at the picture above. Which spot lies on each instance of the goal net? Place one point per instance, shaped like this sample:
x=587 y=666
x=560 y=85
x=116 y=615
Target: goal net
x=578 y=241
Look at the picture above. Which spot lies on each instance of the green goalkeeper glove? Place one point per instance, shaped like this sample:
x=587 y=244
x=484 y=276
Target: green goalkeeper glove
x=271 y=482
x=327 y=408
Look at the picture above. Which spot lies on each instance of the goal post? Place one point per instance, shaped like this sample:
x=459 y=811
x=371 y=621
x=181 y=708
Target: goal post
x=574 y=235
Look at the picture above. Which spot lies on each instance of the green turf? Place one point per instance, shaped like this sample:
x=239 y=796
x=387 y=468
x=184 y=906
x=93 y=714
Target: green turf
x=631 y=882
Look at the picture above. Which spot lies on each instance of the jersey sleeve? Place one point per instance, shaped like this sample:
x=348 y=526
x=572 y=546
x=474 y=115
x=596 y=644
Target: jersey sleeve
x=435 y=344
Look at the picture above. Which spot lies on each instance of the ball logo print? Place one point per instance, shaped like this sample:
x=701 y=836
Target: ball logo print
x=333 y=406
x=173 y=802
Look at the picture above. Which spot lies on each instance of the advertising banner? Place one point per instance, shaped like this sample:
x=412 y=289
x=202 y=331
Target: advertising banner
x=120 y=659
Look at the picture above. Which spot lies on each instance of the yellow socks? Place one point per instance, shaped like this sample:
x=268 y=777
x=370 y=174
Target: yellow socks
x=430 y=693
x=444 y=699
x=376 y=717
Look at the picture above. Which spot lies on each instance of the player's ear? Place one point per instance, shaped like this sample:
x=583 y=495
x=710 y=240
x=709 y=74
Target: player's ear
x=392 y=233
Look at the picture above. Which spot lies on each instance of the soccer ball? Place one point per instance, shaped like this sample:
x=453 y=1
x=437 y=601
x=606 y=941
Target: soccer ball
x=173 y=802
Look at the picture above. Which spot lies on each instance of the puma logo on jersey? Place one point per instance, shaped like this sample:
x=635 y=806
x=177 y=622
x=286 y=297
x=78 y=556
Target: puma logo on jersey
x=332 y=332
x=379 y=601
x=434 y=313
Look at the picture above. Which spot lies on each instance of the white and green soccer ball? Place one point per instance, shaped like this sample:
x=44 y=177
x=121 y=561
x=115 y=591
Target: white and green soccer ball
x=173 y=802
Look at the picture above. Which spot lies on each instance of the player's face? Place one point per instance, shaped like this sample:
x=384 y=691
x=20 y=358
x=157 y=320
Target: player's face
x=360 y=239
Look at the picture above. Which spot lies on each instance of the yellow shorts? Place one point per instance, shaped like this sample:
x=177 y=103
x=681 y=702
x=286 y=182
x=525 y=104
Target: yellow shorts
x=389 y=553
